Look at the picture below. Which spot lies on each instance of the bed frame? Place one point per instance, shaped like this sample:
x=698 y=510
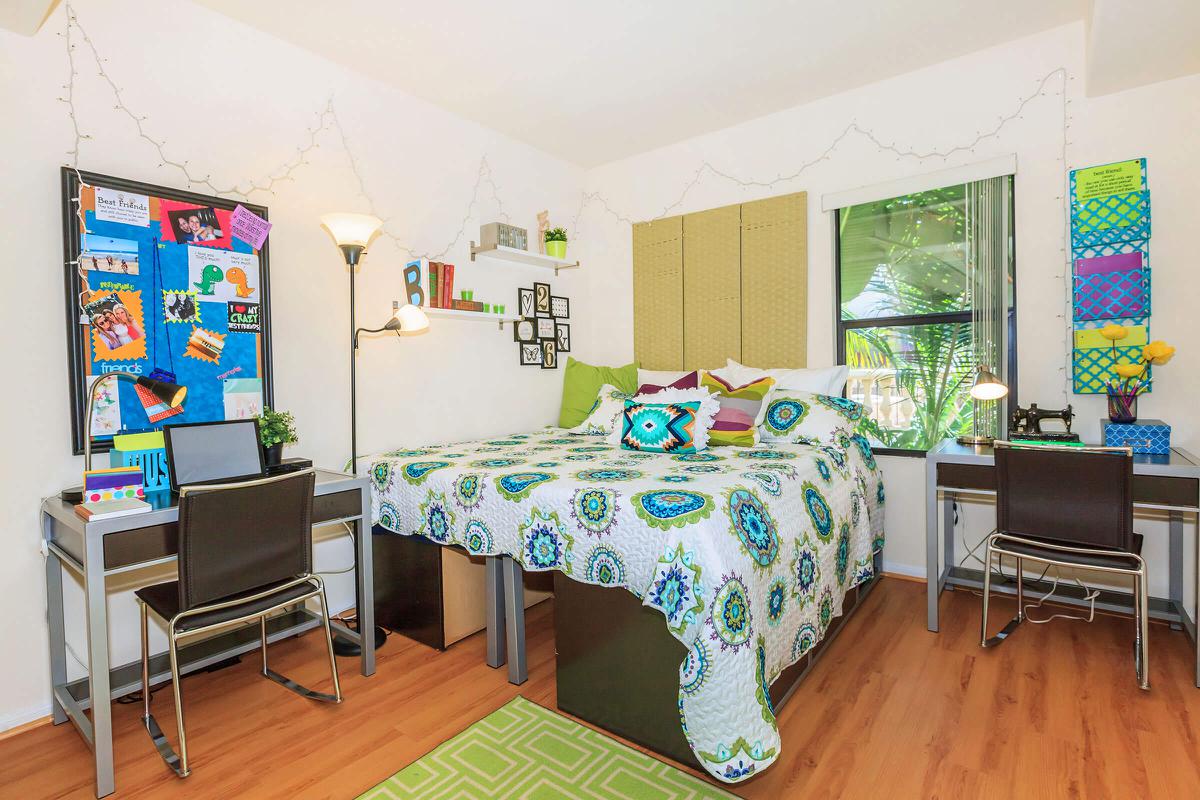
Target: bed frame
x=618 y=667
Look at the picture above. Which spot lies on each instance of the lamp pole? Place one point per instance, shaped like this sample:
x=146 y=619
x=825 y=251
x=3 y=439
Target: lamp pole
x=352 y=253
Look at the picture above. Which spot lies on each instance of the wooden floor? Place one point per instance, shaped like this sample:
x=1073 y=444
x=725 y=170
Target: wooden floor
x=892 y=711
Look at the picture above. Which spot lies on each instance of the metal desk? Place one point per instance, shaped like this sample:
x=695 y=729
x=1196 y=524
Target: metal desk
x=109 y=547
x=1167 y=482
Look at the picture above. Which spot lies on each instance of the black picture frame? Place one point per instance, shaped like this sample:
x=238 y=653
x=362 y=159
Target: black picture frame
x=71 y=181
x=525 y=330
x=545 y=327
x=525 y=302
x=549 y=354
x=559 y=303
x=530 y=354
x=562 y=335
x=541 y=299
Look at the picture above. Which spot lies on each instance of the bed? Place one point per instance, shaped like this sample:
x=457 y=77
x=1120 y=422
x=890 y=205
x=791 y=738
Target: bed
x=746 y=554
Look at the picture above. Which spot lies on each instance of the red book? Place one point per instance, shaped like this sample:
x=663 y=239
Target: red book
x=447 y=286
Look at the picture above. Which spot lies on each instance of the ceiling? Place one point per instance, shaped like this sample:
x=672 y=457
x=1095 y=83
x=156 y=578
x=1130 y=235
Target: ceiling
x=593 y=82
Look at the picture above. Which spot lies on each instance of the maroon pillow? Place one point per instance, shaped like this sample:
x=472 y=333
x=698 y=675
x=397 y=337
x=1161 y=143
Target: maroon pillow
x=689 y=381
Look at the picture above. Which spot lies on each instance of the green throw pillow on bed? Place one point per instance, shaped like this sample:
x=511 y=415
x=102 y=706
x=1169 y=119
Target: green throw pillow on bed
x=581 y=387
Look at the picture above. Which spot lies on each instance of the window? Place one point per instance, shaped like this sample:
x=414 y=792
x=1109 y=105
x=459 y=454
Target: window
x=924 y=285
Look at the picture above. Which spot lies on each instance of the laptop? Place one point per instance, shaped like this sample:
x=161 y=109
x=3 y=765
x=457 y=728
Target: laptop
x=213 y=452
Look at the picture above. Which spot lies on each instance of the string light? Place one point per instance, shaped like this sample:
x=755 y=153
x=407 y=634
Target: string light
x=328 y=120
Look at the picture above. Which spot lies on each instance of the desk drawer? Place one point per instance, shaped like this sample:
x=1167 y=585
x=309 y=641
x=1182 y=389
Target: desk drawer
x=161 y=541
x=1161 y=490
x=967 y=476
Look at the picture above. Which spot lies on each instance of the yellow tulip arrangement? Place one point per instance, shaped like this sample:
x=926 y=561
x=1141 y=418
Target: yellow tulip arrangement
x=1132 y=376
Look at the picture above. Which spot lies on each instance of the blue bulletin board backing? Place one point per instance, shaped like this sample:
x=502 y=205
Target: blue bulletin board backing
x=159 y=283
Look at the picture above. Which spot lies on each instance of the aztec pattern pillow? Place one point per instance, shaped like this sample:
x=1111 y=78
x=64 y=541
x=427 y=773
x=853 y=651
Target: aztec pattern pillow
x=671 y=421
x=603 y=415
x=809 y=418
x=742 y=410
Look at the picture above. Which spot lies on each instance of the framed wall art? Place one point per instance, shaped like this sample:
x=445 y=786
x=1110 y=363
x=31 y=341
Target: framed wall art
x=541 y=299
x=168 y=284
x=525 y=302
x=560 y=307
x=545 y=327
x=563 y=337
x=524 y=330
x=549 y=354
x=531 y=354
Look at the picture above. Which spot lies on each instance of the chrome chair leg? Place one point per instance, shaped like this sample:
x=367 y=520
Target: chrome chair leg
x=987 y=592
x=178 y=766
x=287 y=682
x=262 y=635
x=176 y=679
x=1143 y=626
x=1012 y=624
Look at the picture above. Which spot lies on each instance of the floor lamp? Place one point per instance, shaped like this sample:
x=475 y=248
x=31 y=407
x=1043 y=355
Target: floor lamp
x=352 y=233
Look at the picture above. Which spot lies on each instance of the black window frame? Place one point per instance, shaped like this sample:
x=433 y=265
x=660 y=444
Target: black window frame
x=842 y=326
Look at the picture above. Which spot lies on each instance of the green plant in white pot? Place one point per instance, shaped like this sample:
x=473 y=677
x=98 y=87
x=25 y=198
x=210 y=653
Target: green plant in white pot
x=275 y=429
x=556 y=242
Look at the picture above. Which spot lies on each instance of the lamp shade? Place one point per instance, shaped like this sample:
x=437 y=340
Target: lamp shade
x=169 y=393
x=409 y=320
x=354 y=230
x=987 y=386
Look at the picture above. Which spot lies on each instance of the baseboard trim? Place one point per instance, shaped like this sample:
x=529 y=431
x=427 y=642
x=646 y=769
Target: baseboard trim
x=904 y=571
x=900 y=576
x=20 y=723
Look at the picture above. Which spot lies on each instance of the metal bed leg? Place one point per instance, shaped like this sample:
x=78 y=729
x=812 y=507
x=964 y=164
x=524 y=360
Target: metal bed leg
x=496 y=655
x=514 y=610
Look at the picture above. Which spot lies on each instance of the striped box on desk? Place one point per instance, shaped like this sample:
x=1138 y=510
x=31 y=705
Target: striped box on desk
x=145 y=450
x=1147 y=436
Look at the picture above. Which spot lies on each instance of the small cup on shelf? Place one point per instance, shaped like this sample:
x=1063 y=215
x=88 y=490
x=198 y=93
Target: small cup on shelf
x=486 y=308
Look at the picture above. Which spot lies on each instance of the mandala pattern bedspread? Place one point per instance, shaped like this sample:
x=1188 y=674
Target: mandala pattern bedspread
x=747 y=553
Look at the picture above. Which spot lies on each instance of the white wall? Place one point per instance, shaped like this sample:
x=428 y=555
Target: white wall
x=237 y=104
x=936 y=109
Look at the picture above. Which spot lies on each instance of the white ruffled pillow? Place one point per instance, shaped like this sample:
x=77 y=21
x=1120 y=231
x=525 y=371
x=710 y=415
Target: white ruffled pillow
x=827 y=380
x=709 y=405
x=610 y=402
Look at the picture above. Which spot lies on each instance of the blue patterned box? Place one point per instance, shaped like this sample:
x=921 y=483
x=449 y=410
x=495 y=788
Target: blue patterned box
x=1151 y=436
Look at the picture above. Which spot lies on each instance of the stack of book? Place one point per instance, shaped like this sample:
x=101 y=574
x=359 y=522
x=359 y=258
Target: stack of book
x=441 y=289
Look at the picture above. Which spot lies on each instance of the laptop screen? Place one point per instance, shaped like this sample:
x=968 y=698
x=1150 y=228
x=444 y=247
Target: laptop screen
x=212 y=452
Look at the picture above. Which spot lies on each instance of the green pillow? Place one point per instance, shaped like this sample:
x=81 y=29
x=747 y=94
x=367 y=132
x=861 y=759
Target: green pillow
x=581 y=387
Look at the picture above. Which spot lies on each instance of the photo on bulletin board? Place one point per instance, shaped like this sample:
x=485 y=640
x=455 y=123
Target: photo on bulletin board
x=158 y=283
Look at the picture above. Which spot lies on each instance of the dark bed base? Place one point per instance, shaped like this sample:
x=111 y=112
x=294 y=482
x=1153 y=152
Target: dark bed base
x=618 y=667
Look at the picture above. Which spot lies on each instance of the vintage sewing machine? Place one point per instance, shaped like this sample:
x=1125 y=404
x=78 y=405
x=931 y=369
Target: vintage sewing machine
x=1026 y=424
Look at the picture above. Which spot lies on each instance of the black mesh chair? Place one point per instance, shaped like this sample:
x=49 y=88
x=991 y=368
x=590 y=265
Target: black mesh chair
x=245 y=551
x=1071 y=507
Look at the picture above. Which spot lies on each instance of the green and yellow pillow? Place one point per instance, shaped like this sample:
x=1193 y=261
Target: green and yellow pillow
x=742 y=410
x=581 y=387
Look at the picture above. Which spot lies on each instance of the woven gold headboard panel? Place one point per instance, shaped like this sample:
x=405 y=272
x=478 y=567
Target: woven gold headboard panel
x=775 y=282
x=728 y=282
x=658 y=293
x=712 y=288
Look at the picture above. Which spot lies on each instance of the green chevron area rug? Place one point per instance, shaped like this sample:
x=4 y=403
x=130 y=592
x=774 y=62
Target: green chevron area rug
x=525 y=751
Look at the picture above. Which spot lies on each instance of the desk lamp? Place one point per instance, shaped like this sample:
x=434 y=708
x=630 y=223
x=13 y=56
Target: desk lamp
x=986 y=387
x=169 y=393
x=351 y=233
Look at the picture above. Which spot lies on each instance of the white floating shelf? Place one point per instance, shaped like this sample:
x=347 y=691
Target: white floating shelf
x=516 y=256
x=475 y=316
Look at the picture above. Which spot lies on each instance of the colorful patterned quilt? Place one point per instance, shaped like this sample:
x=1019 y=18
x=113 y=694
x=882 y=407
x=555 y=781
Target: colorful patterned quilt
x=747 y=553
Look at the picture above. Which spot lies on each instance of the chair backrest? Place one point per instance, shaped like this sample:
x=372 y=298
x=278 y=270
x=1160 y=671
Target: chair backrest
x=1080 y=496
x=237 y=537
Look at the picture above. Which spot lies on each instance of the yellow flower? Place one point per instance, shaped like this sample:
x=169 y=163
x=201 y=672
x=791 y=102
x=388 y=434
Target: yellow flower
x=1114 y=332
x=1129 y=370
x=1158 y=352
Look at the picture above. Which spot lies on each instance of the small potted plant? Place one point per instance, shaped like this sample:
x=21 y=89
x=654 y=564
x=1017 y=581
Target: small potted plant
x=275 y=429
x=1123 y=393
x=556 y=242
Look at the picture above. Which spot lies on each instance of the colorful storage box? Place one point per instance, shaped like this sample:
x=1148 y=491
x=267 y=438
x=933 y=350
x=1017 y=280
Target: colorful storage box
x=145 y=450
x=1146 y=436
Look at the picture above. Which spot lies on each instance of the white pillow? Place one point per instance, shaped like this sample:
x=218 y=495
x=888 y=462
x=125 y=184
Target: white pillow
x=610 y=402
x=709 y=406
x=827 y=380
x=660 y=377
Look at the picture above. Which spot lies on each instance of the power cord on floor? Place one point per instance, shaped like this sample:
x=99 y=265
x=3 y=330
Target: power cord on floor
x=1090 y=593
